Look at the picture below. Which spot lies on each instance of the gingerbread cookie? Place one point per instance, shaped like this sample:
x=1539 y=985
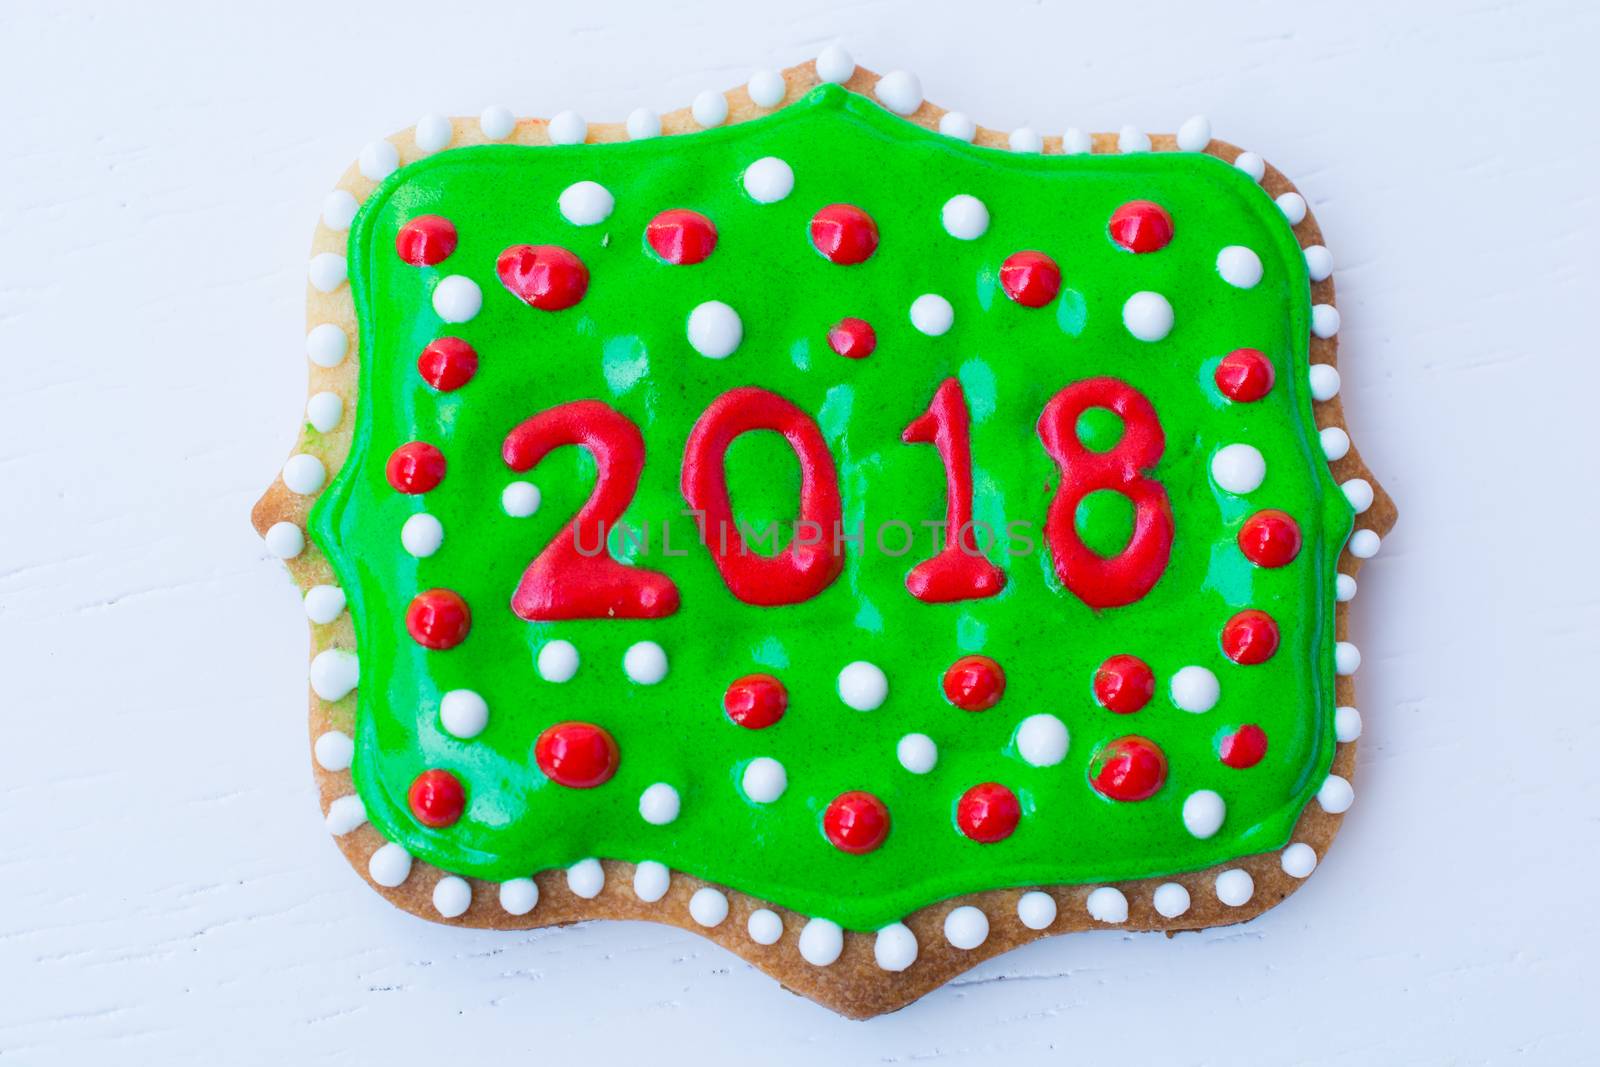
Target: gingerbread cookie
x=803 y=521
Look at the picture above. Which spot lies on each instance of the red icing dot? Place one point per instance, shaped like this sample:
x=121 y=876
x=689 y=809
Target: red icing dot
x=853 y=338
x=1243 y=748
x=1250 y=637
x=1129 y=768
x=974 y=683
x=1141 y=226
x=436 y=798
x=415 y=467
x=1032 y=279
x=844 y=233
x=448 y=363
x=1244 y=374
x=856 y=822
x=547 y=277
x=1124 y=684
x=1270 y=539
x=426 y=240
x=438 y=619
x=579 y=755
x=756 y=701
x=988 y=813
x=682 y=237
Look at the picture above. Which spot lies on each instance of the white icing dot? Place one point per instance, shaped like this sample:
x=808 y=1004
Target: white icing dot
x=326 y=345
x=1076 y=142
x=900 y=91
x=1299 y=860
x=586 y=203
x=715 y=330
x=1170 y=900
x=334 y=672
x=956 y=124
x=520 y=499
x=1346 y=724
x=863 y=686
x=1336 y=795
x=965 y=217
x=895 y=947
x=422 y=535
x=324 y=411
x=1239 y=468
x=1346 y=658
x=764 y=926
x=497 y=122
x=645 y=663
x=1195 y=134
x=766 y=88
x=1024 y=139
x=651 y=880
x=463 y=713
x=1344 y=588
x=1235 y=887
x=1042 y=740
x=1036 y=910
x=334 y=751
x=1203 y=813
x=1133 y=139
x=1324 y=320
x=1364 y=544
x=1107 y=905
x=345 y=814
x=339 y=209
x=390 y=866
x=558 y=661
x=643 y=124
x=327 y=272
x=324 y=603
x=710 y=108
x=452 y=896
x=285 y=540
x=932 y=314
x=457 y=298
x=1147 y=316
x=519 y=896
x=966 y=927
x=1319 y=263
x=1324 y=381
x=1359 y=492
x=434 y=132
x=768 y=180
x=659 y=804
x=1195 y=689
x=821 y=942
x=708 y=907
x=568 y=128
x=1239 y=266
x=764 y=780
x=917 y=753
x=304 y=474
x=1252 y=165
x=378 y=160
x=835 y=65
x=1335 y=443
x=586 y=878
x=1293 y=206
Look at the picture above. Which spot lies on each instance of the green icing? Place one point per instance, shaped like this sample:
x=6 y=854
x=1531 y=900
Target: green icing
x=625 y=344
x=1105 y=521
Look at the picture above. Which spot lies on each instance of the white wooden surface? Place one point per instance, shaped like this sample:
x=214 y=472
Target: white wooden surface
x=167 y=891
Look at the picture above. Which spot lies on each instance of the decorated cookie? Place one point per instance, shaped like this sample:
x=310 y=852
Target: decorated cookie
x=810 y=519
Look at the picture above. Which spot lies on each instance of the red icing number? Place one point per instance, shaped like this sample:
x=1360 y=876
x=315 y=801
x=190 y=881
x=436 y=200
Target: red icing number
x=811 y=561
x=959 y=571
x=1122 y=579
x=563 y=582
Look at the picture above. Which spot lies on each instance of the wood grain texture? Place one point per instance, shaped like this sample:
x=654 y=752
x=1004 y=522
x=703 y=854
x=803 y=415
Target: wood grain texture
x=165 y=895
